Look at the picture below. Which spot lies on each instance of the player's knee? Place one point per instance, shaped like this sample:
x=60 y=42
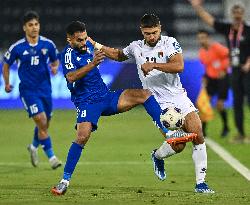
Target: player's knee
x=42 y=133
x=82 y=138
x=145 y=94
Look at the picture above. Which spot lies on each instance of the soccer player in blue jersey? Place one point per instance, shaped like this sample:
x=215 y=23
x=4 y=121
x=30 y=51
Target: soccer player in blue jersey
x=91 y=96
x=33 y=53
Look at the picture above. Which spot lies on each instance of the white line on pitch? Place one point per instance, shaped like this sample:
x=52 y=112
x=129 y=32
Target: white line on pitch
x=233 y=162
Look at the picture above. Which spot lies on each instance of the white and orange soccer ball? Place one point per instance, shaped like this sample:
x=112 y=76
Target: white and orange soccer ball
x=172 y=118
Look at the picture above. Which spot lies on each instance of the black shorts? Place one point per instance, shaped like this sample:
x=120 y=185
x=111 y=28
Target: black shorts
x=218 y=87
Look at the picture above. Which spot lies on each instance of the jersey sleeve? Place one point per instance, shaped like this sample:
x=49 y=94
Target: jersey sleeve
x=10 y=56
x=129 y=50
x=221 y=50
x=53 y=52
x=67 y=60
x=173 y=47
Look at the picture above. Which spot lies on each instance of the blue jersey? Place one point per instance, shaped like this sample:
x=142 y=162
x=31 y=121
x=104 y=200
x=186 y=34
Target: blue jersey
x=90 y=88
x=33 y=65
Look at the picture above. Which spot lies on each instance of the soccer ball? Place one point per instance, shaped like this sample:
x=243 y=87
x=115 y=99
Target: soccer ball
x=172 y=118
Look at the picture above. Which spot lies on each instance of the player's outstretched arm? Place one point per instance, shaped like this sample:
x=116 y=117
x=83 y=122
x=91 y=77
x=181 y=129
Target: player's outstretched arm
x=112 y=53
x=202 y=13
x=174 y=65
x=80 y=73
x=6 y=77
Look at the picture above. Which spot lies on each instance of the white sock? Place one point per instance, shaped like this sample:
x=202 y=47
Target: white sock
x=65 y=181
x=52 y=158
x=200 y=162
x=164 y=151
x=33 y=147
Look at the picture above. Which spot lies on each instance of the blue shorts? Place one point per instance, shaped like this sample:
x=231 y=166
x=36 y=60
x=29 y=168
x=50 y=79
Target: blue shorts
x=92 y=112
x=35 y=105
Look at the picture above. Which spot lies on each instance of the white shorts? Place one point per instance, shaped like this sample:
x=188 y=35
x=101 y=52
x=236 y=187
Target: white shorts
x=180 y=101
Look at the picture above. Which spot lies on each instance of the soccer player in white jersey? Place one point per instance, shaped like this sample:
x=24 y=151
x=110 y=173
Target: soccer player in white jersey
x=159 y=60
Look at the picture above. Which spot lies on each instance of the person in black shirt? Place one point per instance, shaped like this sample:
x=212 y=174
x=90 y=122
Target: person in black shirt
x=237 y=34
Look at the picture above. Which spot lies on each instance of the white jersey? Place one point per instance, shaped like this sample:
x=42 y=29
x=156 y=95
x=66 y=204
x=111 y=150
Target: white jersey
x=164 y=86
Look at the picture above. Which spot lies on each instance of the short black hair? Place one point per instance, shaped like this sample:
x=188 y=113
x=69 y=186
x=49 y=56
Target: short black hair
x=150 y=21
x=203 y=31
x=75 y=26
x=29 y=15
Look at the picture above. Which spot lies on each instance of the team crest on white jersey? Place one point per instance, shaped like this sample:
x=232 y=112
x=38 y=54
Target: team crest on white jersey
x=44 y=51
x=160 y=54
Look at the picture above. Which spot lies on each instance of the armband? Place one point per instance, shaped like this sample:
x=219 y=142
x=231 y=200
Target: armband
x=98 y=46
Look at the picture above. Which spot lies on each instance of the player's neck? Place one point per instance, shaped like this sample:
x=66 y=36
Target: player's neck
x=32 y=40
x=206 y=45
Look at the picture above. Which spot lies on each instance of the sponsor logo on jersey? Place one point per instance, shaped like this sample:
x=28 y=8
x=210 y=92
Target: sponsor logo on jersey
x=78 y=58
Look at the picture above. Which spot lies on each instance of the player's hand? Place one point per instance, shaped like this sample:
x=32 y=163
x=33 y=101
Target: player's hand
x=246 y=67
x=147 y=67
x=98 y=58
x=54 y=69
x=195 y=3
x=8 y=88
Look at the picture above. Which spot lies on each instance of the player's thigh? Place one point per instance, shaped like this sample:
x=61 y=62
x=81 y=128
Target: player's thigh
x=89 y=113
x=131 y=98
x=47 y=105
x=192 y=121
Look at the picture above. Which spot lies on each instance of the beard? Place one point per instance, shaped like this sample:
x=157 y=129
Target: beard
x=82 y=49
x=153 y=44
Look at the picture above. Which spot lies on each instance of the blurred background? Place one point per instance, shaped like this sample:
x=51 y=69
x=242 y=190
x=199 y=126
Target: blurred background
x=113 y=23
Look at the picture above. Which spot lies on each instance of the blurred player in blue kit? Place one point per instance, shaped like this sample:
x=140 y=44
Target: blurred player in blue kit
x=92 y=98
x=33 y=53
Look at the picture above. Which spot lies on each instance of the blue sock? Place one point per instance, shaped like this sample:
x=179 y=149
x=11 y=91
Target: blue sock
x=35 y=141
x=47 y=147
x=74 y=154
x=154 y=110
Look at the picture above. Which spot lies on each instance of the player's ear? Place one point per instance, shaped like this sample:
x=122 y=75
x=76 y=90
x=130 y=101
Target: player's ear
x=24 y=28
x=68 y=39
x=160 y=27
x=141 y=30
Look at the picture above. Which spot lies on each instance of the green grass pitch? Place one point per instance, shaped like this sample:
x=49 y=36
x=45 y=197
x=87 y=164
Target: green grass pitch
x=115 y=167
